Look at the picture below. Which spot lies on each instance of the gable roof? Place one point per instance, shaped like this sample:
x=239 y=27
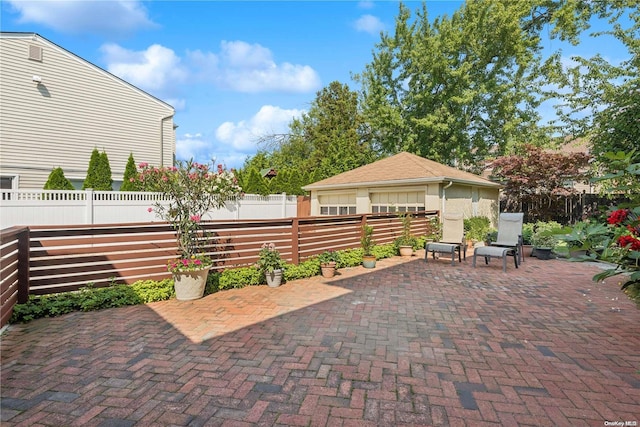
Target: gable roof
x=402 y=168
x=36 y=36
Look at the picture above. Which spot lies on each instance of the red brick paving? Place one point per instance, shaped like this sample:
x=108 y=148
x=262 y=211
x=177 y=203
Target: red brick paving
x=408 y=343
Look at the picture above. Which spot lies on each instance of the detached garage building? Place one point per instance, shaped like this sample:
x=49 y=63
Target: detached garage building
x=405 y=182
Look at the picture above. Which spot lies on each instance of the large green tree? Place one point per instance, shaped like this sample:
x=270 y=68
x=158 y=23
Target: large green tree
x=602 y=98
x=454 y=88
x=457 y=88
x=332 y=137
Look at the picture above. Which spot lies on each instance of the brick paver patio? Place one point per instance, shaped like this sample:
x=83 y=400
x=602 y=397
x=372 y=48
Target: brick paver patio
x=408 y=343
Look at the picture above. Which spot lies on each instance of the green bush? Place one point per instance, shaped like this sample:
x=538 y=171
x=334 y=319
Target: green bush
x=240 y=277
x=527 y=233
x=90 y=298
x=476 y=228
x=57 y=181
x=303 y=270
x=130 y=180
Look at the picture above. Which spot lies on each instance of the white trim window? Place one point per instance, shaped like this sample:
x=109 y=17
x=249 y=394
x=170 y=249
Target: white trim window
x=337 y=210
x=337 y=203
x=395 y=208
x=397 y=201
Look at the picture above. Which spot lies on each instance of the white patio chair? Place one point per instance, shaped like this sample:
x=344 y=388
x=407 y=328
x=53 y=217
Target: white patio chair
x=452 y=240
x=510 y=233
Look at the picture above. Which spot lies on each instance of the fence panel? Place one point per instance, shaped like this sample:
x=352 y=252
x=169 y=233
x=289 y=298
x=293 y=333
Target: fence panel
x=69 y=207
x=65 y=258
x=14 y=275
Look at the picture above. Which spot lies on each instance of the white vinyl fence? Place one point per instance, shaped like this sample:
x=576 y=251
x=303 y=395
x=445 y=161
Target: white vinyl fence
x=67 y=207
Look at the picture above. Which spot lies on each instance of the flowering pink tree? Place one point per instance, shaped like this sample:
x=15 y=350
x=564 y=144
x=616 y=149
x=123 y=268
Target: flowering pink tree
x=193 y=190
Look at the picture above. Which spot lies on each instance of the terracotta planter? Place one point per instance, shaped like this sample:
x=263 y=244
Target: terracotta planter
x=189 y=285
x=274 y=279
x=328 y=270
x=368 y=261
x=406 y=251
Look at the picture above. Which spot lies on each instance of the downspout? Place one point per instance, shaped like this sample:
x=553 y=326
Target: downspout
x=444 y=196
x=162 y=119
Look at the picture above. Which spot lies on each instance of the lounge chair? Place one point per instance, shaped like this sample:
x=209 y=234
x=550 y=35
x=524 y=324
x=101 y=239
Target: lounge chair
x=510 y=233
x=452 y=238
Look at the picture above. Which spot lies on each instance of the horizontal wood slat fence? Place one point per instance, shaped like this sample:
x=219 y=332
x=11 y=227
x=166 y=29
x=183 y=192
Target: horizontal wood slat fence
x=44 y=260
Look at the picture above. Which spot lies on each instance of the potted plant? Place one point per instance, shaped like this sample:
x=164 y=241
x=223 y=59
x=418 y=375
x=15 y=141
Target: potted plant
x=192 y=189
x=544 y=242
x=476 y=229
x=406 y=242
x=270 y=264
x=328 y=262
x=367 y=243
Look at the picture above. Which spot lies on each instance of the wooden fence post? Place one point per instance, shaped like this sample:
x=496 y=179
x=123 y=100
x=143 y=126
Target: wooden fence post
x=295 y=241
x=23 y=266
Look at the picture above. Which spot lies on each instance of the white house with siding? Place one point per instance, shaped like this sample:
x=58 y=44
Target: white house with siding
x=56 y=107
x=405 y=182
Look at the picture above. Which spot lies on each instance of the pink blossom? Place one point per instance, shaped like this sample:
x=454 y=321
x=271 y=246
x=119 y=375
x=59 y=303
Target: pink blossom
x=143 y=165
x=149 y=209
x=164 y=178
x=195 y=218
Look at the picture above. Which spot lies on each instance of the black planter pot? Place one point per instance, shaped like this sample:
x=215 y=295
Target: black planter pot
x=543 y=253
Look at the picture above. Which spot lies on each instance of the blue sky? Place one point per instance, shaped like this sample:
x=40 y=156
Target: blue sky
x=233 y=70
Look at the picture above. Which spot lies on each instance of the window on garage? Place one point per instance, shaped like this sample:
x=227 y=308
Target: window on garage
x=337 y=204
x=397 y=201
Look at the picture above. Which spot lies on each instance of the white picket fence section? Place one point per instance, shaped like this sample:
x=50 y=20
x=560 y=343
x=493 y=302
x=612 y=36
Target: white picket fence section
x=68 y=207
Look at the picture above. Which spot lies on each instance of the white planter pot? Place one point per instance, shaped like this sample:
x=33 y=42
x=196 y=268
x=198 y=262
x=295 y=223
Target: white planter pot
x=189 y=285
x=274 y=279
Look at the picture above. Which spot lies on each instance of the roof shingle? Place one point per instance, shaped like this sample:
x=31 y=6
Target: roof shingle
x=401 y=167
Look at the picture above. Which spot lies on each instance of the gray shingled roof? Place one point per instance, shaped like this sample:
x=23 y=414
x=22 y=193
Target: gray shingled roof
x=403 y=168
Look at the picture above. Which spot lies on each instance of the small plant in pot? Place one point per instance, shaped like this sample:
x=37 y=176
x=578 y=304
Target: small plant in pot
x=406 y=242
x=270 y=264
x=328 y=262
x=367 y=243
x=544 y=242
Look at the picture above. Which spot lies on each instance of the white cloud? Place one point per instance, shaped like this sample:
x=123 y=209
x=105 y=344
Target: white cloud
x=112 y=18
x=250 y=68
x=366 y=5
x=151 y=69
x=243 y=135
x=194 y=147
x=369 y=24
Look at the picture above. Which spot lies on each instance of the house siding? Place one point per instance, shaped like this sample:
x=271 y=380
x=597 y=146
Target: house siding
x=76 y=108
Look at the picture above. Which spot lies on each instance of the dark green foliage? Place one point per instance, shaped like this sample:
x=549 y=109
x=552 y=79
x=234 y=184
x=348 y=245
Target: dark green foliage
x=255 y=183
x=57 y=181
x=90 y=298
x=240 y=277
x=305 y=269
x=104 y=179
x=130 y=180
x=476 y=228
x=98 y=172
x=92 y=171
